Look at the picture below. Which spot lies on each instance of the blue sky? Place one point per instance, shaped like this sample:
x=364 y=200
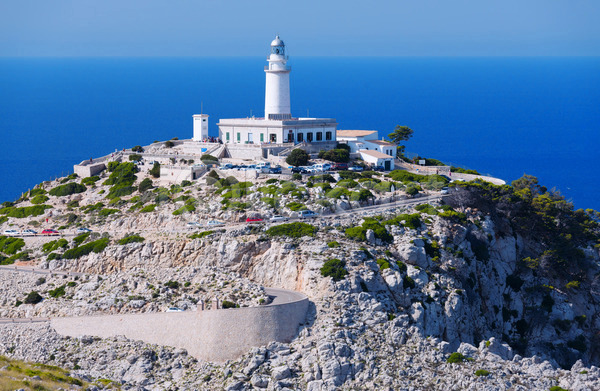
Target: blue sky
x=310 y=27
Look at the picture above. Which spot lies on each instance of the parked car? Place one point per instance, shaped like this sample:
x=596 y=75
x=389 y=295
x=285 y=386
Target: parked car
x=299 y=170
x=193 y=224
x=11 y=232
x=307 y=214
x=215 y=223
x=279 y=218
x=444 y=190
x=251 y=220
x=29 y=232
x=83 y=230
x=356 y=168
x=275 y=170
x=50 y=232
x=175 y=309
x=226 y=166
x=339 y=166
x=378 y=168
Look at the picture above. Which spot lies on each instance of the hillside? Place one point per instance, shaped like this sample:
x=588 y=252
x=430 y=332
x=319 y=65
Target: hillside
x=489 y=287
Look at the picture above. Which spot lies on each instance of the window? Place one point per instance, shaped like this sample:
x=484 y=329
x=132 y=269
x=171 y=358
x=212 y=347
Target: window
x=262 y=138
x=300 y=137
x=227 y=136
x=273 y=138
x=239 y=137
x=319 y=136
x=328 y=136
x=309 y=137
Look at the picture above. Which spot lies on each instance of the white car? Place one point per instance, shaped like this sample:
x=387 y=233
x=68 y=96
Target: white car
x=215 y=223
x=11 y=232
x=278 y=218
x=444 y=190
x=193 y=224
x=83 y=230
x=175 y=309
x=29 y=232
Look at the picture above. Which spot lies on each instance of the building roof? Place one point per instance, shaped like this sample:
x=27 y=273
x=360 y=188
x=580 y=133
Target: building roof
x=354 y=133
x=381 y=142
x=377 y=154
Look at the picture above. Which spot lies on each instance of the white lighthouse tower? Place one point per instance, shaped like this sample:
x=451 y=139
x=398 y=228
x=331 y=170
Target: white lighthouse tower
x=277 y=92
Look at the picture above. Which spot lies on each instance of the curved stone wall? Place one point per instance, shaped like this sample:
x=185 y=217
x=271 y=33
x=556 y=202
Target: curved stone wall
x=216 y=335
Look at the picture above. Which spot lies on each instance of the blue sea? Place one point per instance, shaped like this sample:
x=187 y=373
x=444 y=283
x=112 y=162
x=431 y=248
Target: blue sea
x=501 y=116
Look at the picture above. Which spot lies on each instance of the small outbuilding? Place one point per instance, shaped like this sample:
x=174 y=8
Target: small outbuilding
x=377 y=158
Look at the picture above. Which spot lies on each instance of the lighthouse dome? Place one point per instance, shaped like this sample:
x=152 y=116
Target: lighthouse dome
x=277 y=42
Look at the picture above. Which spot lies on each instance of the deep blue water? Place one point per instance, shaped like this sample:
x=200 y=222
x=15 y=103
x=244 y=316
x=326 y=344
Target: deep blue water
x=501 y=116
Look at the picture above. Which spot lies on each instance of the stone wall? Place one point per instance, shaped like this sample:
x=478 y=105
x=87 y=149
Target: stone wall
x=216 y=335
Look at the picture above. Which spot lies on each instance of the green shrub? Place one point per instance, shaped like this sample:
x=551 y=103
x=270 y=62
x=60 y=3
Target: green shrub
x=482 y=372
x=427 y=208
x=183 y=209
x=200 y=235
x=95 y=246
x=335 y=155
x=155 y=170
x=185 y=183
x=209 y=159
x=58 y=292
x=89 y=181
x=39 y=199
x=401 y=266
x=26 y=211
x=35 y=192
x=408 y=282
x=456 y=358
x=67 y=189
x=107 y=212
x=360 y=233
x=553 y=388
x=229 y=304
x=131 y=239
x=333 y=244
x=55 y=245
x=148 y=208
x=121 y=180
x=172 y=284
x=145 y=184
x=298 y=157
x=292 y=230
x=412 y=221
x=412 y=189
x=272 y=202
x=117 y=191
x=272 y=181
x=383 y=263
x=10 y=245
x=135 y=157
x=33 y=298
x=334 y=268
x=384 y=187
x=112 y=166
x=361 y=195
x=321 y=178
x=295 y=206
x=137 y=148
x=213 y=174
x=297 y=177
x=79 y=239
x=169 y=144
x=337 y=193
x=349 y=175
x=347 y=183
x=573 y=285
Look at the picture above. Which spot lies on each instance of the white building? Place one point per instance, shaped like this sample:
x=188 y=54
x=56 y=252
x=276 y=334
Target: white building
x=200 y=127
x=366 y=140
x=376 y=158
x=278 y=126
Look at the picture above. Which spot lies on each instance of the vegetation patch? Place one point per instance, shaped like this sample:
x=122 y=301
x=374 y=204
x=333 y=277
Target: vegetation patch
x=334 y=268
x=412 y=221
x=26 y=211
x=10 y=245
x=456 y=358
x=148 y=208
x=39 y=199
x=55 y=245
x=292 y=230
x=67 y=189
x=96 y=246
x=131 y=239
x=360 y=233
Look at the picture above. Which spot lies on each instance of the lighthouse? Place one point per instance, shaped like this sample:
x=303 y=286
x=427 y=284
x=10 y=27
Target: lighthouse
x=277 y=91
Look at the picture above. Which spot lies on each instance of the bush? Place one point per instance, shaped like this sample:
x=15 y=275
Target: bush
x=298 y=157
x=200 y=235
x=333 y=244
x=335 y=155
x=412 y=221
x=482 y=372
x=213 y=174
x=27 y=211
x=412 y=189
x=137 y=148
x=10 y=245
x=408 y=282
x=297 y=177
x=33 y=298
x=107 y=212
x=135 y=157
x=209 y=159
x=131 y=239
x=347 y=183
x=228 y=304
x=456 y=358
x=67 y=189
x=89 y=181
x=148 y=208
x=39 y=199
x=55 y=245
x=169 y=144
x=322 y=178
x=58 y=292
x=383 y=263
x=33 y=193
x=334 y=268
x=292 y=230
x=144 y=185
x=183 y=209
x=361 y=195
x=337 y=192
x=79 y=239
x=573 y=285
x=360 y=233
x=95 y=246
x=172 y=284
x=155 y=170
x=295 y=206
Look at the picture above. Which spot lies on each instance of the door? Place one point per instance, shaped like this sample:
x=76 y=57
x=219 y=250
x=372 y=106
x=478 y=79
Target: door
x=387 y=165
x=250 y=138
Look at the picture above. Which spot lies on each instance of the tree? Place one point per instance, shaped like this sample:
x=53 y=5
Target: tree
x=400 y=134
x=145 y=185
x=155 y=170
x=298 y=157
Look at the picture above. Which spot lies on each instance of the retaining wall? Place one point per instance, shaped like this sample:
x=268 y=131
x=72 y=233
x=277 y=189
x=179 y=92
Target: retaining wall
x=216 y=335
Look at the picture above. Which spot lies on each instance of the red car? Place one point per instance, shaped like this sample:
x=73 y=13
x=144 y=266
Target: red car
x=49 y=232
x=339 y=166
x=251 y=220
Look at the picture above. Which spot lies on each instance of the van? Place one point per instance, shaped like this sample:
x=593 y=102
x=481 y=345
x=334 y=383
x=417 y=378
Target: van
x=307 y=214
x=318 y=168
